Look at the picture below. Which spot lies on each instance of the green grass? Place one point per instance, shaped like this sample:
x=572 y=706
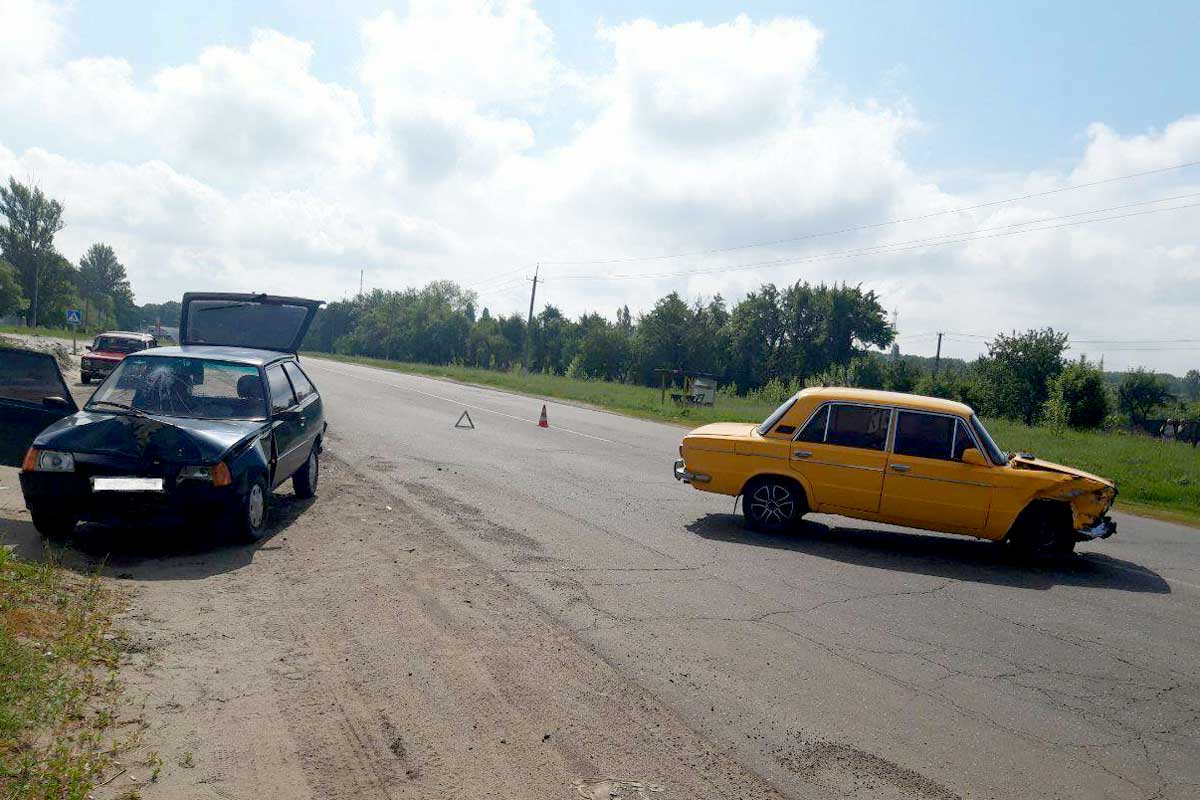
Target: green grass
x=58 y=684
x=1154 y=478
x=58 y=333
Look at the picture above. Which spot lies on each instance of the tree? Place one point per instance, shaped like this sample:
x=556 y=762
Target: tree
x=102 y=276
x=1140 y=392
x=1018 y=369
x=27 y=238
x=11 y=298
x=1191 y=385
x=662 y=337
x=1078 y=396
x=900 y=375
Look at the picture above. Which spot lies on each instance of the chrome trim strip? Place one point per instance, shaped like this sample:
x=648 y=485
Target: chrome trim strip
x=847 y=466
x=944 y=480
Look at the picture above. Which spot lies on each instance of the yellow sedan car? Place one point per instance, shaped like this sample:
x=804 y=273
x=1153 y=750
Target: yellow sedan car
x=903 y=459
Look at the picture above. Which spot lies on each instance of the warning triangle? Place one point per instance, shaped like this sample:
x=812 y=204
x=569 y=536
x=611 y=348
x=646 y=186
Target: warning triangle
x=469 y=424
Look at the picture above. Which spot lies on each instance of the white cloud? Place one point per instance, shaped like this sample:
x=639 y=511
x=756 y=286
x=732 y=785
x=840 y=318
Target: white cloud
x=241 y=167
x=31 y=31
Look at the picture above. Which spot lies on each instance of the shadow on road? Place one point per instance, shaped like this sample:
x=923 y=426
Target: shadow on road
x=960 y=559
x=151 y=553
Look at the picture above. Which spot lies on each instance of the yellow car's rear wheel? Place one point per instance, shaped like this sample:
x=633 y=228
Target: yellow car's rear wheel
x=772 y=504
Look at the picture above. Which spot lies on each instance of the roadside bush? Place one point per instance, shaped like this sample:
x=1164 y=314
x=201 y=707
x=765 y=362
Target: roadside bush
x=1077 y=397
x=1141 y=391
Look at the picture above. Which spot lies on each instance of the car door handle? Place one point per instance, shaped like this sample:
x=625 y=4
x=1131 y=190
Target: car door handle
x=901 y=467
x=804 y=454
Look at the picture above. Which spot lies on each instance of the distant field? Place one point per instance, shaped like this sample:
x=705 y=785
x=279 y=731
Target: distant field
x=1157 y=478
x=58 y=333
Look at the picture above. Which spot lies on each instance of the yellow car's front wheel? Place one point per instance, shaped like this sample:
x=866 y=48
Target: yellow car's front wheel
x=772 y=504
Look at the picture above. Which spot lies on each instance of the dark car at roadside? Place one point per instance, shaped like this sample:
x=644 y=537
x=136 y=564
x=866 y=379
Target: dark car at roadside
x=198 y=434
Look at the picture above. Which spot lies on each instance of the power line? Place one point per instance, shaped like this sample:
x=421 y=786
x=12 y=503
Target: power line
x=871 y=226
x=881 y=249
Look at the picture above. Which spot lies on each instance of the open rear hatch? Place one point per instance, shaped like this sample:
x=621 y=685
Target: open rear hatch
x=259 y=321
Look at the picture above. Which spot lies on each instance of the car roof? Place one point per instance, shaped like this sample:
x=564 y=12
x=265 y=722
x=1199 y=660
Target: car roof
x=914 y=401
x=127 y=334
x=238 y=355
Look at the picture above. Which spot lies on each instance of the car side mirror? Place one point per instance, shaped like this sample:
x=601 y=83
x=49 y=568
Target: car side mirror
x=974 y=458
x=56 y=403
x=87 y=347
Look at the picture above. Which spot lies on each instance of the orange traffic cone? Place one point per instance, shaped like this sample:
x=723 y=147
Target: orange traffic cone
x=542 y=421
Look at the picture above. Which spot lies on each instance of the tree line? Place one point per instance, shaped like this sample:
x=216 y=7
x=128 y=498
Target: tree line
x=39 y=284
x=769 y=344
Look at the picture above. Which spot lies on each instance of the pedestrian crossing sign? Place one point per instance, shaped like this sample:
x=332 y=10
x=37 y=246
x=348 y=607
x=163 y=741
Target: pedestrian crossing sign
x=74 y=316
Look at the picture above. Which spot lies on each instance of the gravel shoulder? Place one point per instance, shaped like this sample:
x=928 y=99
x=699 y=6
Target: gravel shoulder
x=356 y=653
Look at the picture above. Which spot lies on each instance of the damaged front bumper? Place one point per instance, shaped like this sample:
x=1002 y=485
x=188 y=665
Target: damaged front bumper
x=1102 y=529
x=682 y=473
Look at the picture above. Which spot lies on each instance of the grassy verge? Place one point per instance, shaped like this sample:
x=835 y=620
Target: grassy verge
x=1159 y=479
x=57 y=333
x=58 y=681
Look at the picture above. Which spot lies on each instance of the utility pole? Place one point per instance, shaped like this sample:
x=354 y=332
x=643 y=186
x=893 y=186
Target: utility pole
x=37 y=274
x=529 y=324
x=360 y=282
x=937 y=359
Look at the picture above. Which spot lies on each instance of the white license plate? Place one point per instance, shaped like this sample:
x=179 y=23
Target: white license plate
x=127 y=484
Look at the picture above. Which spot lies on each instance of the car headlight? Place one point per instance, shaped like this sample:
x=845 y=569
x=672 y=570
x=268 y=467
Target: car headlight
x=48 y=461
x=217 y=475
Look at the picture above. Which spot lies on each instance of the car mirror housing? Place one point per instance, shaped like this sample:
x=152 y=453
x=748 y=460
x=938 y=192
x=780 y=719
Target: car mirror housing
x=973 y=457
x=56 y=403
x=87 y=347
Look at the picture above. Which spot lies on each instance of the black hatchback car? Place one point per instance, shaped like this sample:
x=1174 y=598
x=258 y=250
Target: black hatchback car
x=201 y=432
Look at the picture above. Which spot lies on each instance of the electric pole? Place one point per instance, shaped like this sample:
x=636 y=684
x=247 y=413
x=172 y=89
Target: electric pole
x=529 y=324
x=937 y=359
x=360 y=282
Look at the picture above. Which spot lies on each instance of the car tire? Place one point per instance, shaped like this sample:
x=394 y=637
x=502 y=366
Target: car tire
x=54 y=526
x=85 y=378
x=250 y=517
x=1041 y=533
x=304 y=480
x=773 y=504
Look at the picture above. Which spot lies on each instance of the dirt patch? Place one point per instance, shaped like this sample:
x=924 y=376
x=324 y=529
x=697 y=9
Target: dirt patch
x=357 y=653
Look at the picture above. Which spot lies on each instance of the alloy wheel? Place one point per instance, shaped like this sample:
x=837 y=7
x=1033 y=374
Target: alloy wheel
x=772 y=504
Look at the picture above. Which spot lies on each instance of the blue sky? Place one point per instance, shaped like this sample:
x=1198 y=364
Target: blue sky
x=256 y=145
x=969 y=68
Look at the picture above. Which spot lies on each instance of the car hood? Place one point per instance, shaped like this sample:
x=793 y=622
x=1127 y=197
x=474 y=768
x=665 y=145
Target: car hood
x=725 y=429
x=165 y=439
x=1029 y=462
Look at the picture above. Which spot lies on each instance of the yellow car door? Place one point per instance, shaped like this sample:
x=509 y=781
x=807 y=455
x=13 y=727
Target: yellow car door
x=841 y=452
x=927 y=483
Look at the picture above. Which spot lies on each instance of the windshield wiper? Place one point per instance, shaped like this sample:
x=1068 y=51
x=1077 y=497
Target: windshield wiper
x=122 y=406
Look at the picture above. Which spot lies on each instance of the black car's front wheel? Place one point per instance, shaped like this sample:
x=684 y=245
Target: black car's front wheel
x=772 y=504
x=304 y=481
x=52 y=525
x=251 y=518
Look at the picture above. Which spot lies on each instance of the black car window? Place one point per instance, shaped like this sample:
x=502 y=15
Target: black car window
x=858 y=426
x=814 y=431
x=118 y=344
x=924 y=435
x=962 y=440
x=281 y=391
x=300 y=381
x=28 y=377
x=183 y=387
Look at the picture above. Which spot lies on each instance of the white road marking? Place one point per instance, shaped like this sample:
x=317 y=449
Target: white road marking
x=451 y=400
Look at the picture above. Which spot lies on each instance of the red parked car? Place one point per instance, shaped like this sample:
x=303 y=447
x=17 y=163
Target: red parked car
x=109 y=349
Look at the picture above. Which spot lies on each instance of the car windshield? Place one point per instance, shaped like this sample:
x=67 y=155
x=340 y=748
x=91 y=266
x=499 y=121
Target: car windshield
x=994 y=452
x=199 y=388
x=776 y=415
x=118 y=344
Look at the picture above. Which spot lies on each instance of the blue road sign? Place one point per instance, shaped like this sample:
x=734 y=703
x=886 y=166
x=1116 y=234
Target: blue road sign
x=74 y=316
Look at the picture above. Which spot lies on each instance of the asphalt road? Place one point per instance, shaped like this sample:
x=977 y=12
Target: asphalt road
x=840 y=660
